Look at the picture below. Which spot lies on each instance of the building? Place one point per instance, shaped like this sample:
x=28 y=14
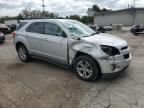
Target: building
x=130 y=16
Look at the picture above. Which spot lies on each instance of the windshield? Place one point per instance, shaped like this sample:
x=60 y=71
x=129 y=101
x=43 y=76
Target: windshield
x=78 y=29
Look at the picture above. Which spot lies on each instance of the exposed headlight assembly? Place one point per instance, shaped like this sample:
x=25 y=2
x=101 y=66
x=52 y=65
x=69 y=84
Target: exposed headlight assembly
x=111 y=51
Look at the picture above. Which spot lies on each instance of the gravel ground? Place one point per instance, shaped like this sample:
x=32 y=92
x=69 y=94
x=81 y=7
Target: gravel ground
x=39 y=84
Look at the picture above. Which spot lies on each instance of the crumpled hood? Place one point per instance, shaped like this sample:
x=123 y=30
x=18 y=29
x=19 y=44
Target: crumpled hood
x=105 y=39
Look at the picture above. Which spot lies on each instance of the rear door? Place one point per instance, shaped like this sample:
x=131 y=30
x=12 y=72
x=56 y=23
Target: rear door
x=34 y=33
x=54 y=43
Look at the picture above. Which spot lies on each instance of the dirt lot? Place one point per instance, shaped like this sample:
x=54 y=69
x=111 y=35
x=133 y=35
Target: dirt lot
x=43 y=85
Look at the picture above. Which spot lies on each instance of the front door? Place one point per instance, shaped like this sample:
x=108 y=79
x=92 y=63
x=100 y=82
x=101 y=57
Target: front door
x=54 y=43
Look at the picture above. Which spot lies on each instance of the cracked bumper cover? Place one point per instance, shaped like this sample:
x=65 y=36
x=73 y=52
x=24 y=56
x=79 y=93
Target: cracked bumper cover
x=114 y=65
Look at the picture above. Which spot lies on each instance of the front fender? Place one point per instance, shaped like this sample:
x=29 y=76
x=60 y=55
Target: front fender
x=84 y=47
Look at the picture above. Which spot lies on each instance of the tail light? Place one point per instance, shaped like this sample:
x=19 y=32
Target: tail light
x=14 y=34
x=1 y=34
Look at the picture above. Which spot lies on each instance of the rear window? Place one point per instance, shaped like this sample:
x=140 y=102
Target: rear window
x=21 y=25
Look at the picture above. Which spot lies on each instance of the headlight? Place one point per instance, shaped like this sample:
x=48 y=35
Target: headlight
x=111 y=51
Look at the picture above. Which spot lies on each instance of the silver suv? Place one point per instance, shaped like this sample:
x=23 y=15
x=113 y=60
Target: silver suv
x=74 y=44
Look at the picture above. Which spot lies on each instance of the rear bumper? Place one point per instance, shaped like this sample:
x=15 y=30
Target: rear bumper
x=5 y=30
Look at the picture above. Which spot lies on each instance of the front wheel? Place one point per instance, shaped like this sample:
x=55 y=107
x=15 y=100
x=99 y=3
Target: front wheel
x=23 y=54
x=86 y=68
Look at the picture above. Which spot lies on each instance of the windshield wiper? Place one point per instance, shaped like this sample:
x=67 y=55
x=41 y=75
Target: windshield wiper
x=85 y=36
x=91 y=34
x=94 y=33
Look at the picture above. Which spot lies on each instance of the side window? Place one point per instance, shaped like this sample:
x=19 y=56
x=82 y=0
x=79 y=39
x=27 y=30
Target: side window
x=53 y=29
x=21 y=25
x=37 y=27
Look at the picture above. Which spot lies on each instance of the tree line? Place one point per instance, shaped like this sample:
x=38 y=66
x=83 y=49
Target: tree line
x=37 y=14
x=97 y=9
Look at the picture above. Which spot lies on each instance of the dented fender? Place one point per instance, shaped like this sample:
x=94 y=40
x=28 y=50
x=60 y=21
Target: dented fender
x=93 y=50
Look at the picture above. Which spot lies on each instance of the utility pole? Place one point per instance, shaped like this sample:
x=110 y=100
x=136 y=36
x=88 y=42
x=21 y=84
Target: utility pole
x=43 y=6
x=128 y=6
x=134 y=3
x=134 y=12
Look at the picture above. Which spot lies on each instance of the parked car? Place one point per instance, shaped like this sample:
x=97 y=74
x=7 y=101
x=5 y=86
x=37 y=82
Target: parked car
x=98 y=28
x=2 y=37
x=108 y=28
x=4 y=29
x=137 y=29
x=72 y=44
x=101 y=29
x=12 y=27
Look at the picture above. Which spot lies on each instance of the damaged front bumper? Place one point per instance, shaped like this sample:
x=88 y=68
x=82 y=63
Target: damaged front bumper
x=114 y=64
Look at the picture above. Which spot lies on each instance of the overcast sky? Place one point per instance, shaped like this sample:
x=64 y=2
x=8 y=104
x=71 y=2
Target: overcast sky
x=62 y=7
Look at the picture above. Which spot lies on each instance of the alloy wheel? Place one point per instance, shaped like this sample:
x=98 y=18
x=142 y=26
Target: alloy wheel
x=84 y=69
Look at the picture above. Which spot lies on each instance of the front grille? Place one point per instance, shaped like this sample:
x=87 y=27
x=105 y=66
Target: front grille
x=125 y=47
x=126 y=56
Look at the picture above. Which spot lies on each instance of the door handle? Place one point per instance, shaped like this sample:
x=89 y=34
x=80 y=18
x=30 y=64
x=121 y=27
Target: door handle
x=27 y=35
x=45 y=38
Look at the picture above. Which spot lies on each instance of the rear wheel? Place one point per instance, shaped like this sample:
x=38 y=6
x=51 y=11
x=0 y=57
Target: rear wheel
x=23 y=53
x=86 y=68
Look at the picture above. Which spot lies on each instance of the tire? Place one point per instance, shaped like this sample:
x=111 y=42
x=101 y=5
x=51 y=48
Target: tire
x=87 y=74
x=2 y=42
x=132 y=30
x=136 y=34
x=23 y=54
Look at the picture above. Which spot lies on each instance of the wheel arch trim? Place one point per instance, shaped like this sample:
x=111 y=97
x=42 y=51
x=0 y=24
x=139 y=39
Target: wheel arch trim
x=22 y=40
x=79 y=53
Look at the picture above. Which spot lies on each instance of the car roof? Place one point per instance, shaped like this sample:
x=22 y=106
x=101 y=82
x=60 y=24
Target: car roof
x=48 y=20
